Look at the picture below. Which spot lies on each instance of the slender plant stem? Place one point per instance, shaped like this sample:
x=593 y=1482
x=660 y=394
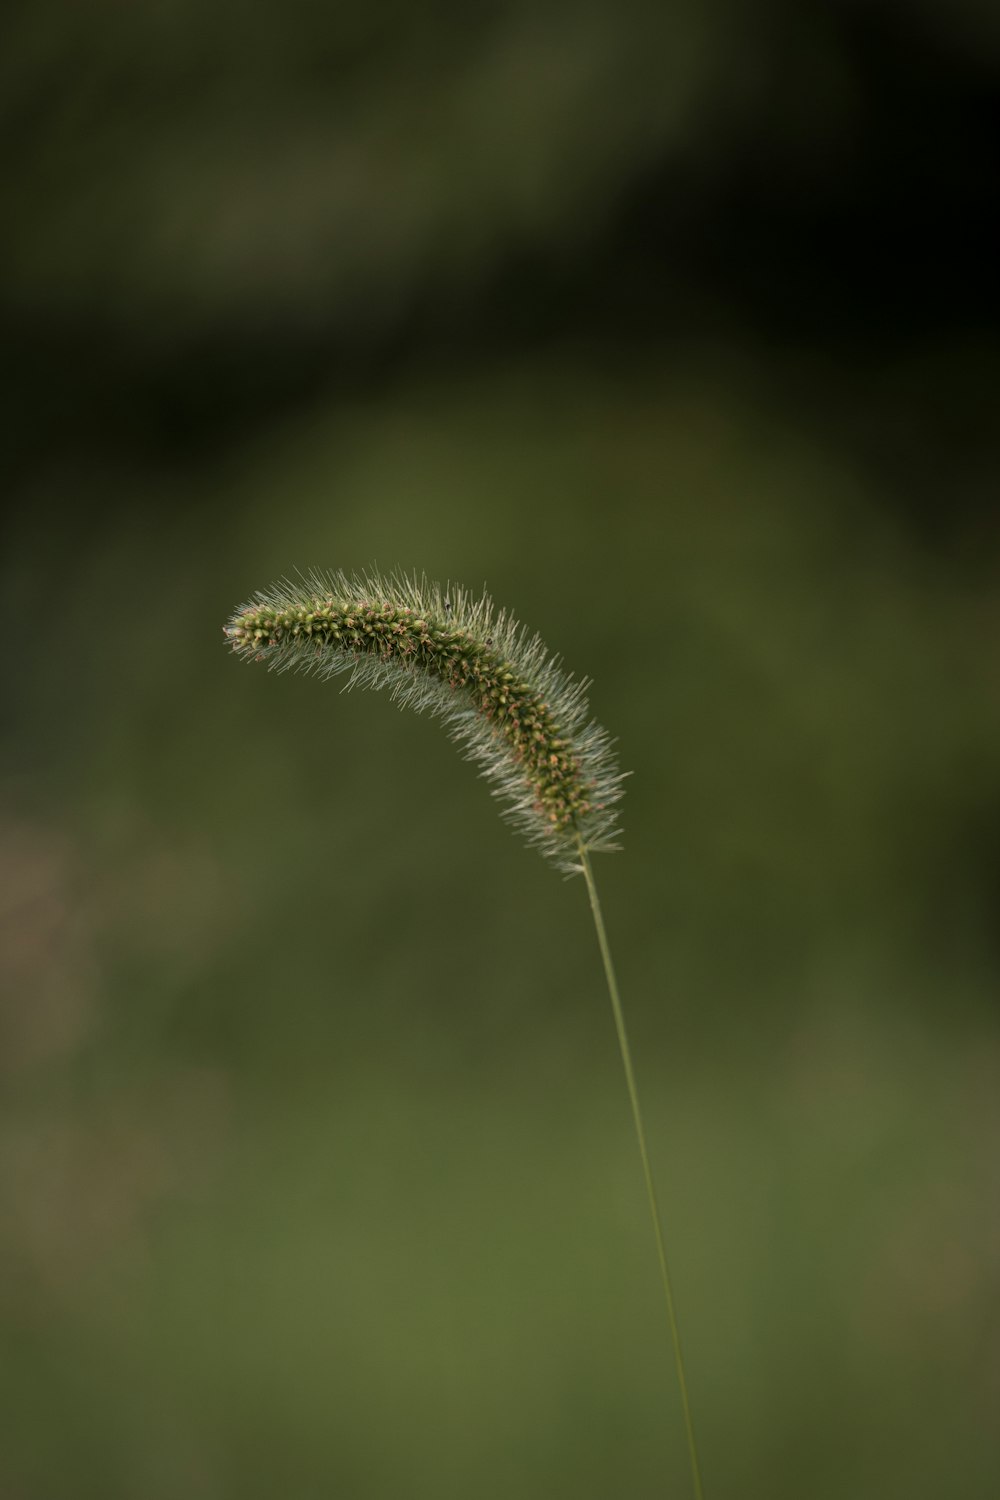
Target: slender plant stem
x=633 y=1093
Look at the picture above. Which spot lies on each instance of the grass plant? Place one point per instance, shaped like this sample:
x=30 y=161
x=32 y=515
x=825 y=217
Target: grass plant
x=511 y=707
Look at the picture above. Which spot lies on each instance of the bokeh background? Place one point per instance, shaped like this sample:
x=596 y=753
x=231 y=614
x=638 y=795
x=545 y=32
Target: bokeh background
x=676 y=325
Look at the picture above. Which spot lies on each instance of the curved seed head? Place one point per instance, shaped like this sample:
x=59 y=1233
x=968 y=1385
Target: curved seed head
x=500 y=694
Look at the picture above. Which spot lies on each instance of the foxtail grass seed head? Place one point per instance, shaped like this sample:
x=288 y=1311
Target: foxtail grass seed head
x=500 y=694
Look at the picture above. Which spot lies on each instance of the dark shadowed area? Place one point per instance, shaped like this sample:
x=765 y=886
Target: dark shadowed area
x=677 y=327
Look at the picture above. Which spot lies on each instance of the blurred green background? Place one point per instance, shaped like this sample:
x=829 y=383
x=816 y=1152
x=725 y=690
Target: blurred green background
x=676 y=325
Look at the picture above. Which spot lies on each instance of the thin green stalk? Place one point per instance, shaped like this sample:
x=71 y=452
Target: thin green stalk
x=633 y=1093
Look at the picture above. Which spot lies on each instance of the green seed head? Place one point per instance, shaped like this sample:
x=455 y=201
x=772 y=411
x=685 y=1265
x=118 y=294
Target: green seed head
x=500 y=694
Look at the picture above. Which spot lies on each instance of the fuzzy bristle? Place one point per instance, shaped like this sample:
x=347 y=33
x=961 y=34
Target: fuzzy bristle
x=500 y=694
